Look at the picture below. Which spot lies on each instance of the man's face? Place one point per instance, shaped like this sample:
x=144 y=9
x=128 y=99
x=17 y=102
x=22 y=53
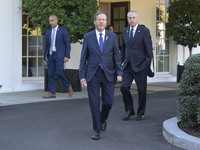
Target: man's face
x=53 y=21
x=133 y=19
x=100 y=22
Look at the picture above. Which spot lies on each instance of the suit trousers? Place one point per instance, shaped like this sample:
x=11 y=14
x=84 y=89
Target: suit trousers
x=107 y=96
x=141 y=82
x=55 y=65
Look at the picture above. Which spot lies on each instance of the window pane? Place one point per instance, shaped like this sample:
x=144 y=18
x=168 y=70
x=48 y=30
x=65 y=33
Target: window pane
x=30 y=26
x=162 y=38
x=166 y=34
x=159 y=63
x=166 y=47
x=122 y=25
x=116 y=13
x=40 y=67
x=162 y=12
x=167 y=14
x=39 y=32
x=32 y=47
x=162 y=1
x=117 y=26
x=24 y=67
x=166 y=64
x=32 y=67
x=157 y=13
x=24 y=25
x=24 y=45
x=122 y=13
x=40 y=45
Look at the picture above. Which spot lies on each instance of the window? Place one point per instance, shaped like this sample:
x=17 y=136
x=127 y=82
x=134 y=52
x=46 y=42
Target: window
x=162 y=39
x=32 y=49
x=119 y=18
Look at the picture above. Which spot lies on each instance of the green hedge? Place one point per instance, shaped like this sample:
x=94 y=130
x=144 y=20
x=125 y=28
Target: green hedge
x=189 y=93
x=76 y=15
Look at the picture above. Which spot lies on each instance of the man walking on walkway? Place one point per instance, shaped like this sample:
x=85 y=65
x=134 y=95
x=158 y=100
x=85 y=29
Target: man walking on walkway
x=100 y=68
x=56 y=52
x=136 y=54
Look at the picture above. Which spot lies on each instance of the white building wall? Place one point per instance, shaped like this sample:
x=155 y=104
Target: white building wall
x=75 y=57
x=147 y=15
x=10 y=45
x=183 y=53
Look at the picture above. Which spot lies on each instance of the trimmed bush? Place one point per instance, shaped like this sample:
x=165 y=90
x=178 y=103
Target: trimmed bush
x=75 y=15
x=189 y=93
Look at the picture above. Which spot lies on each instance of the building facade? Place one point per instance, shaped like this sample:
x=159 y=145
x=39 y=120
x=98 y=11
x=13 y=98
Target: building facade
x=21 y=47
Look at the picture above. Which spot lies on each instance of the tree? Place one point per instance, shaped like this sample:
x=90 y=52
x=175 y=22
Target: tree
x=75 y=15
x=184 y=22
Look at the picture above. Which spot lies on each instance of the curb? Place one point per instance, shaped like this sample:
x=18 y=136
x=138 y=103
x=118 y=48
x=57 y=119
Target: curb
x=177 y=137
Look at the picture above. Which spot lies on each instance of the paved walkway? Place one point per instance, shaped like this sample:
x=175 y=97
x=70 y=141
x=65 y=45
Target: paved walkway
x=36 y=95
x=65 y=123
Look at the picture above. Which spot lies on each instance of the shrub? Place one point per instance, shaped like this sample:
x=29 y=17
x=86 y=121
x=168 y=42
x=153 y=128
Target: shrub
x=189 y=93
x=75 y=15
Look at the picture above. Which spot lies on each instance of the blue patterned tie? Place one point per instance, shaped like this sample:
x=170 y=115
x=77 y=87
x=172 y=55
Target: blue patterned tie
x=52 y=40
x=101 y=45
x=131 y=37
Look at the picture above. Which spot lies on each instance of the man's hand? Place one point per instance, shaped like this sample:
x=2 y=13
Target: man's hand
x=119 y=78
x=45 y=62
x=83 y=82
x=66 y=59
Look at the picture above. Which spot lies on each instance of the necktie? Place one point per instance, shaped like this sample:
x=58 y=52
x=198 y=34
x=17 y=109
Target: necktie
x=101 y=46
x=131 y=36
x=101 y=42
x=52 y=40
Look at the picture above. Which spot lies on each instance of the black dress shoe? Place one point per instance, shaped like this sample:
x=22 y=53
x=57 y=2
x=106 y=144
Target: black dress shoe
x=96 y=135
x=139 y=118
x=128 y=114
x=103 y=126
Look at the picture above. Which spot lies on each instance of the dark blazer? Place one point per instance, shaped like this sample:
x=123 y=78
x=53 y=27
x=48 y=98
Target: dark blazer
x=62 y=43
x=139 y=53
x=91 y=57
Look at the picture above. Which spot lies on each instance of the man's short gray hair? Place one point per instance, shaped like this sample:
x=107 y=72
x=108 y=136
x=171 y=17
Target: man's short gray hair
x=132 y=11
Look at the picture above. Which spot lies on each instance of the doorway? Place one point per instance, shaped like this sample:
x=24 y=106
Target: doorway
x=119 y=18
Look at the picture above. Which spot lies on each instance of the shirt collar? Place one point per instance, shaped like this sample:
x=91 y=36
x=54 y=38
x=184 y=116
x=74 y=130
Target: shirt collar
x=97 y=32
x=135 y=28
x=56 y=28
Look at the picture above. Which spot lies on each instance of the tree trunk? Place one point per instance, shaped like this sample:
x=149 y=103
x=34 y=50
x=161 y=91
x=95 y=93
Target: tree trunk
x=190 y=49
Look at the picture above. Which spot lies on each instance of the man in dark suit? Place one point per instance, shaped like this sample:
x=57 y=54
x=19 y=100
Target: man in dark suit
x=56 y=52
x=136 y=54
x=100 y=68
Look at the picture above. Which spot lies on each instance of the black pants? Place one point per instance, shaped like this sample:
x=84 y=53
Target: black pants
x=141 y=82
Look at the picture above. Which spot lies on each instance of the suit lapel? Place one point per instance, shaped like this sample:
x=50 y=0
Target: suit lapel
x=126 y=34
x=106 y=39
x=137 y=31
x=136 y=34
x=57 y=33
x=96 y=41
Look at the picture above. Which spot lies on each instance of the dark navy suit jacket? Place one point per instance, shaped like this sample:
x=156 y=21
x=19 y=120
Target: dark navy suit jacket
x=139 y=53
x=91 y=57
x=62 y=43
